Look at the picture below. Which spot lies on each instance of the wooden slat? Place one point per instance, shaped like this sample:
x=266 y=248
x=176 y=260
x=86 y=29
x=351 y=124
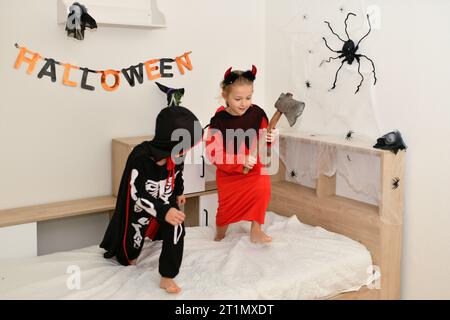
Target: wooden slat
x=391 y=204
x=56 y=210
x=356 y=220
x=326 y=186
x=362 y=294
x=391 y=216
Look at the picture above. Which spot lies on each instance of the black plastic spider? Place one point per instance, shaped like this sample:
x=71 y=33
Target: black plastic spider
x=348 y=52
x=293 y=174
x=395 y=182
x=349 y=135
x=308 y=84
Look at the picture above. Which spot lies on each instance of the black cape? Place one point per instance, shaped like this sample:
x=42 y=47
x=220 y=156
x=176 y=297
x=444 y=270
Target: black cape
x=147 y=191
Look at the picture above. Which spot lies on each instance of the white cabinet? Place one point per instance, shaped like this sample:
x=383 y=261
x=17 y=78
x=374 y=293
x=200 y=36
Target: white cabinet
x=194 y=170
x=19 y=241
x=208 y=209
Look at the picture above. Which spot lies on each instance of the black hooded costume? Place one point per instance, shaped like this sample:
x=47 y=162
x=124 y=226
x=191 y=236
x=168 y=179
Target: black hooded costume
x=147 y=191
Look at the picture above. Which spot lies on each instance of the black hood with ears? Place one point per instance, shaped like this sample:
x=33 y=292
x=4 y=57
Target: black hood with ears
x=167 y=121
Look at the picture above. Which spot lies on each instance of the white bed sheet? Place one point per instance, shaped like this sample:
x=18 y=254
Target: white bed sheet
x=302 y=262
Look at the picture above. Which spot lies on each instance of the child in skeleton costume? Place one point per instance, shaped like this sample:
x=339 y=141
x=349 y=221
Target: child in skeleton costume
x=242 y=195
x=150 y=193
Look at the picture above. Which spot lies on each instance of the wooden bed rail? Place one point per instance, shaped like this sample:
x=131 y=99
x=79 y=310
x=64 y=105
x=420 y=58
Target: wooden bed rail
x=379 y=228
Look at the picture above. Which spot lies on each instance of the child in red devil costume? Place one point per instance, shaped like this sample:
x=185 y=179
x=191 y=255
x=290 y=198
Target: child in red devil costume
x=242 y=181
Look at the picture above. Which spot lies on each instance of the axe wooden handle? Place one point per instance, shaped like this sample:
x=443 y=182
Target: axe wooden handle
x=272 y=124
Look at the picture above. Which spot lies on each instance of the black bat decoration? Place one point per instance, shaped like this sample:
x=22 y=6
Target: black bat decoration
x=395 y=183
x=348 y=52
x=349 y=135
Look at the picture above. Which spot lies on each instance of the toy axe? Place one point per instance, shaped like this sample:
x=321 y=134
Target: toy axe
x=288 y=106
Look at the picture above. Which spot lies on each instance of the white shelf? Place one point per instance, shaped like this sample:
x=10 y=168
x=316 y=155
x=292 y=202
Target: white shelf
x=130 y=13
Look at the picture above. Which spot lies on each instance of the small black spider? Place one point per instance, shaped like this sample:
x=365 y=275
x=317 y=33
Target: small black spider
x=293 y=174
x=349 y=135
x=348 y=52
x=308 y=84
x=348 y=158
x=395 y=182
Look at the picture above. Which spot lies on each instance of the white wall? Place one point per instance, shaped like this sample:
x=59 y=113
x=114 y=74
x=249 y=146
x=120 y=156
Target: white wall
x=410 y=51
x=56 y=140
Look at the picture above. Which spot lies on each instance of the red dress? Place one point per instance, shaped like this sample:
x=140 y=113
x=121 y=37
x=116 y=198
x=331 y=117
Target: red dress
x=241 y=196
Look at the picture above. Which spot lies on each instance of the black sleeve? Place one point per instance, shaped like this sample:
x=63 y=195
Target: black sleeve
x=143 y=183
x=179 y=182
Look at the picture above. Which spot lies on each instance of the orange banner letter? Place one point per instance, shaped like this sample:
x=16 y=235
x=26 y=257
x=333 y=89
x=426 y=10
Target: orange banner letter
x=186 y=63
x=31 y=61
x=116 y=80
x=150 y=69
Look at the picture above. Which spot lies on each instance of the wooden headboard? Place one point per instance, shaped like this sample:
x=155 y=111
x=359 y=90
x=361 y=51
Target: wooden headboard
x=379 y=228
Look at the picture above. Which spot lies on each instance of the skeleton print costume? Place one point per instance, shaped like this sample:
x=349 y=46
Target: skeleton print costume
x=147 y=191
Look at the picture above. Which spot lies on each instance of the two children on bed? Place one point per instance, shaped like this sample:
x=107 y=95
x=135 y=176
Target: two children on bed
x=151 y=189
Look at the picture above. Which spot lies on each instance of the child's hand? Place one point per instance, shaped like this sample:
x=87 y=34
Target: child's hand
x=272 y=136
x=175 y=216
x=249 y=162
x=181 y=200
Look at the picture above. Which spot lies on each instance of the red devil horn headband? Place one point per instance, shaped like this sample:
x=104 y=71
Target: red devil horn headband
x=227 y=73
x=254 y=70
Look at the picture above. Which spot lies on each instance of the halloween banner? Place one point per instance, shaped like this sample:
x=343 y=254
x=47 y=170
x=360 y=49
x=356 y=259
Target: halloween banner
x=110 y=79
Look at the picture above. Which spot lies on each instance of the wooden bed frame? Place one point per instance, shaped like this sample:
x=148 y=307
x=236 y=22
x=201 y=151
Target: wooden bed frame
x=379 y=228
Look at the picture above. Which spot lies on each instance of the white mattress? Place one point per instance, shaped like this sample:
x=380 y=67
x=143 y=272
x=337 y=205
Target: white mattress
x=302 y=262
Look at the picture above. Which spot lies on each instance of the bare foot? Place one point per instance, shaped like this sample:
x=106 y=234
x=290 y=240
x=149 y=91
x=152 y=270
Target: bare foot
x=257 y=235
x=169 y=285
x=220 y=233
x=133 y=262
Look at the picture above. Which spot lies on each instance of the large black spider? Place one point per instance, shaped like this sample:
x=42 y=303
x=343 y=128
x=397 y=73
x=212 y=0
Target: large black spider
x=348 y=52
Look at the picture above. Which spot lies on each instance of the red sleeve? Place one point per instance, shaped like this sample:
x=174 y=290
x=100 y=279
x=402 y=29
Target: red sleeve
x=217 y=155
